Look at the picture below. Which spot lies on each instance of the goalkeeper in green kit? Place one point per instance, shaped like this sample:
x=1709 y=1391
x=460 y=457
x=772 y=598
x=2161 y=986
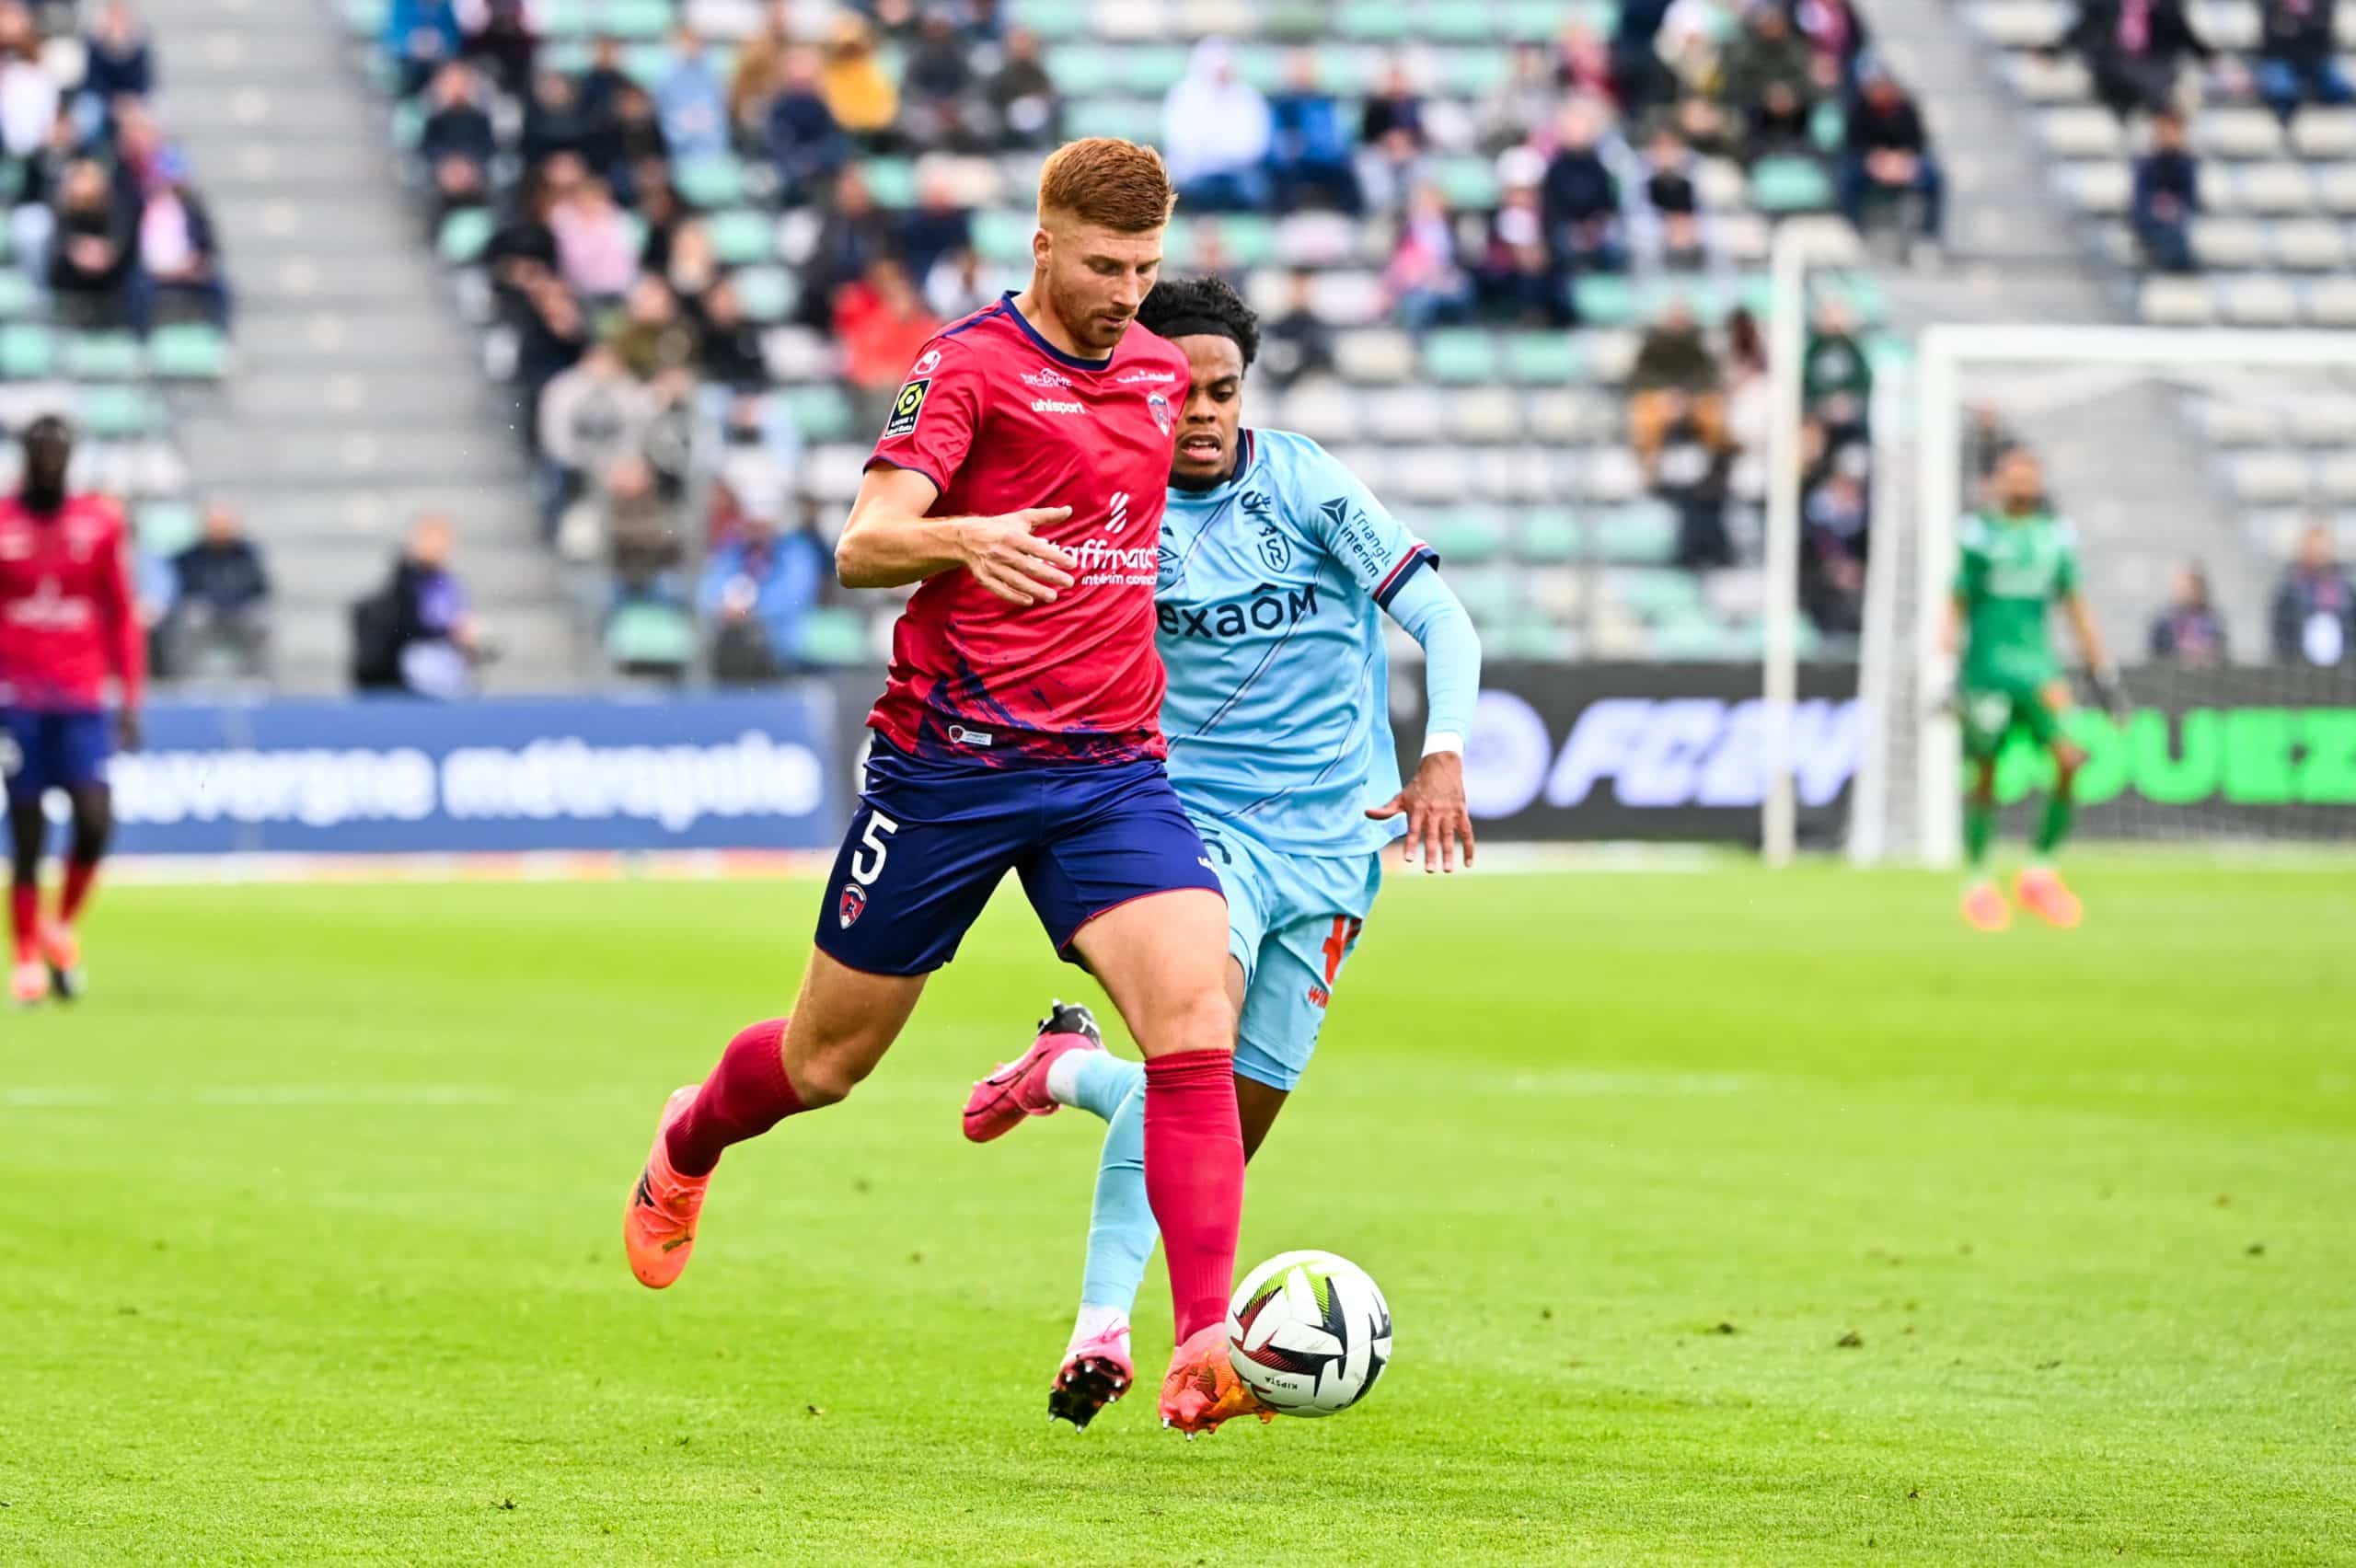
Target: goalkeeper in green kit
x=2015 y=562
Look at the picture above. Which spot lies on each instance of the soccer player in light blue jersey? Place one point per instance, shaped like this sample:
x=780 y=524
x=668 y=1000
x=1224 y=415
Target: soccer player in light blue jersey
x=1277 y=570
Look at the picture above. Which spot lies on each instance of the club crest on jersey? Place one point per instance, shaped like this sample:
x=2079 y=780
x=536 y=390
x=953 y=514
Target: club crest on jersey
x=1159 y=407
x=851 y=906
x=1275 y=549
x=907 y=406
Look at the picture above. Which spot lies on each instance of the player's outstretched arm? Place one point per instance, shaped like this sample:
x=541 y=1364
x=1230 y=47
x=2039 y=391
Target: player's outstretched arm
x=1432 y=801
x=889 y=542
x=2098 y=665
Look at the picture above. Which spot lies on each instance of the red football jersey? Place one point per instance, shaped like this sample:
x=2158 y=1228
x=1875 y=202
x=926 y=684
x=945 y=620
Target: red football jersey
x=68 y=617
x=1001 y=419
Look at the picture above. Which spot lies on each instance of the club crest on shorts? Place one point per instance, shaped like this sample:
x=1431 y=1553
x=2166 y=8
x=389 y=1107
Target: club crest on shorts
x=851 y=906
x=1160 y=408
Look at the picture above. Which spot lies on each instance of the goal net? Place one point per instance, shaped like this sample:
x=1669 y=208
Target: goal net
x=2174 y=454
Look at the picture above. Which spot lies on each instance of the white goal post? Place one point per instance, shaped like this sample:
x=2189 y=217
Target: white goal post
x=1918 y=484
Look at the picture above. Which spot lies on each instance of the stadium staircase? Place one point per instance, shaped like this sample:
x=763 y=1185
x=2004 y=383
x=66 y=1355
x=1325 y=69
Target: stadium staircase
x=2275 y=246
x=356 y=401
x=2130 y=472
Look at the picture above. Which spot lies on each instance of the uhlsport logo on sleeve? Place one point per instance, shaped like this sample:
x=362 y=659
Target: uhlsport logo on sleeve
x=907 y=406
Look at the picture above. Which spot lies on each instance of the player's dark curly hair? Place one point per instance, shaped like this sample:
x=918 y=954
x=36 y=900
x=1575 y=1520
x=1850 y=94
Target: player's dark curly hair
x=1188 y=307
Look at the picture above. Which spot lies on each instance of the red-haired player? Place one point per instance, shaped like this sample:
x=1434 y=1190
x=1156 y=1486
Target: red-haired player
x=69 y=624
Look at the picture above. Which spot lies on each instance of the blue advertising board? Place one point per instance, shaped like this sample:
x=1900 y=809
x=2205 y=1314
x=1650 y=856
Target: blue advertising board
x=505 y=776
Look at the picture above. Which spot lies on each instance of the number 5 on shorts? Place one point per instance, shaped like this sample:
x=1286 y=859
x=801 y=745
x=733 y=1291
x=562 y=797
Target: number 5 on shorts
x=864 y=870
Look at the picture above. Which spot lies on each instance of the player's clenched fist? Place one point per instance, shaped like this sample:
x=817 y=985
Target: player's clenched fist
x=1005 y=558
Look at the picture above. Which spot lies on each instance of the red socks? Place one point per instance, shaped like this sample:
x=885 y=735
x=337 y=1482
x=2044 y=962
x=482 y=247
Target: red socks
x=24 y=917
x=747 y=1095
x=1194 y=1179
x=79 y=875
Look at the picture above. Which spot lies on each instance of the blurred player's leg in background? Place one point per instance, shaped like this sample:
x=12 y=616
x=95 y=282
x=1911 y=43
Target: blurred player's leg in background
x=1983 y=905
x=28 y=830
x=842 y=1024
x=61 y=947
x=2042 y=891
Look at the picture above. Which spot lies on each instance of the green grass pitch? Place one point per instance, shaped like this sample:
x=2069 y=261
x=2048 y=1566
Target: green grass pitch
x=1725 y=1217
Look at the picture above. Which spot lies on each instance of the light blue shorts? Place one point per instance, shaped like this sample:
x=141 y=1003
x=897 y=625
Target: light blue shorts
x=1292 y=922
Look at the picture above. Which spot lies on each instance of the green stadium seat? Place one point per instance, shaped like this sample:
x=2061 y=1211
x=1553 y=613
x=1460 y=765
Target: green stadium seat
x=636 y=18
x=112 y=413
x=164 y=528
x=188 y=351
x=768 y=294
x=1467 y=183
x=650 y=636
x=1054 y=19
x=1531 y=20
x=27 y=353
x=835 y=636
x=1542 y=358
x=1002 y=237
x=1660 y=594
x=1640 y=535
x=1708 y=301
x=1828 y=127
x=1789 y=185
x=742 y=236
x=16 y=295
x=1373 y=21
x=1547 y=538
x=1442 y=21
x=567 y=18
x=1150 y=69
x=893 y=181
x=1476 y=73
x=820 y=413
x=1132 y=119
x=364 y=18
x=464 y=233
x=408 y=124
x=1260 y=68
x=1490 y=595
x=1249 y=238
x=1302 y=21
x=1861 y=293
x=1694 y=633
x=647 y=64
x=103 y=356
x=1465 y=537
x=1529 y=636
x=1083 y=70
x=1604 y=299
x=717 y=180
x=1462 y=356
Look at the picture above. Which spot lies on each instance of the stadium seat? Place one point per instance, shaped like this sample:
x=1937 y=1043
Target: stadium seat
x=188 y=351
x=2176 y=301
x=1054 y=19
x=742 y=236
x=1461 y=356
x=1150 y=70
x=1476 y=73
x=464 y=232
x=835 y=636
x=1465 y=537
x=2324 y=133
x=1372 y=21
x=767 y=294
x=893 y=181
x=27 y=353
x=1132 y=119
x=1637 y=534
x=1375 y=354
x=2260 y=301
x=1542 y=358
x=2331 y=302
x=821 y=412
x=713 y=181
x=101 y=356
x=2228 y=242
x=1083 y=70
x=1604 y=299
x=164 y=528
x=1484 y=416
x=1469 y=184
x=1789 y=185
x=651 y=637
x=112 y=413
x=1547 y=537
x=17 y=296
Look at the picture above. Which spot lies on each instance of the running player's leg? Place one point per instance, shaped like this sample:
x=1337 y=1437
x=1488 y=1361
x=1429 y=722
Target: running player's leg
x=1986 y=717
x=26 y=754
x=915 y=867
x=2041 y=888
x=83 y=749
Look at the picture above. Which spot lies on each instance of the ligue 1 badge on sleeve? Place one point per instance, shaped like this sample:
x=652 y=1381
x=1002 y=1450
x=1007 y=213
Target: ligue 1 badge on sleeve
x=906 y=408
x=1160 y=406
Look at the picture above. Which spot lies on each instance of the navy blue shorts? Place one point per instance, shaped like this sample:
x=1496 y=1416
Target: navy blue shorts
x=52 y=751
x=931 y=840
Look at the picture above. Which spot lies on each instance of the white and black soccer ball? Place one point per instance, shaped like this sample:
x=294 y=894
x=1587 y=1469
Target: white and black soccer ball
x=1310 y=1332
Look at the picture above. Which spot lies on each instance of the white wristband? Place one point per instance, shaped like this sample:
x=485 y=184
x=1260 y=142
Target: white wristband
x=1443 y=740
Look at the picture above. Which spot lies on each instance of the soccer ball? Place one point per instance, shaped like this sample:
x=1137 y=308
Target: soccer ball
x=1310 y=1332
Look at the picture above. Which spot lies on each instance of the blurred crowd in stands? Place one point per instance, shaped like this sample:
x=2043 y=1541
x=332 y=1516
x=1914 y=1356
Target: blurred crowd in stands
x=104 y=221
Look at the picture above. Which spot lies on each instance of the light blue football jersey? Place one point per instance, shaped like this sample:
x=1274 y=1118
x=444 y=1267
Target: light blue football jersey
x=1270 y=606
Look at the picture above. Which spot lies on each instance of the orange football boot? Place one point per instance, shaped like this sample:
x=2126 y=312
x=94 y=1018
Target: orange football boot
x=659 y=1223
x=1201 y=1389
x=1985 y=908
x=2044 y=894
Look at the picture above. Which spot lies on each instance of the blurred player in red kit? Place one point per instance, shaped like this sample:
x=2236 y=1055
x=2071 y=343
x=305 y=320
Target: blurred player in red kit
x=69 y=625
x=1020 y=479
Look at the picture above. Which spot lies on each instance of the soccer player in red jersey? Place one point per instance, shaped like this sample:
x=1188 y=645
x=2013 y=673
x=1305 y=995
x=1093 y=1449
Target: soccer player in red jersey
x=1020 y=479
x=68 y=624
